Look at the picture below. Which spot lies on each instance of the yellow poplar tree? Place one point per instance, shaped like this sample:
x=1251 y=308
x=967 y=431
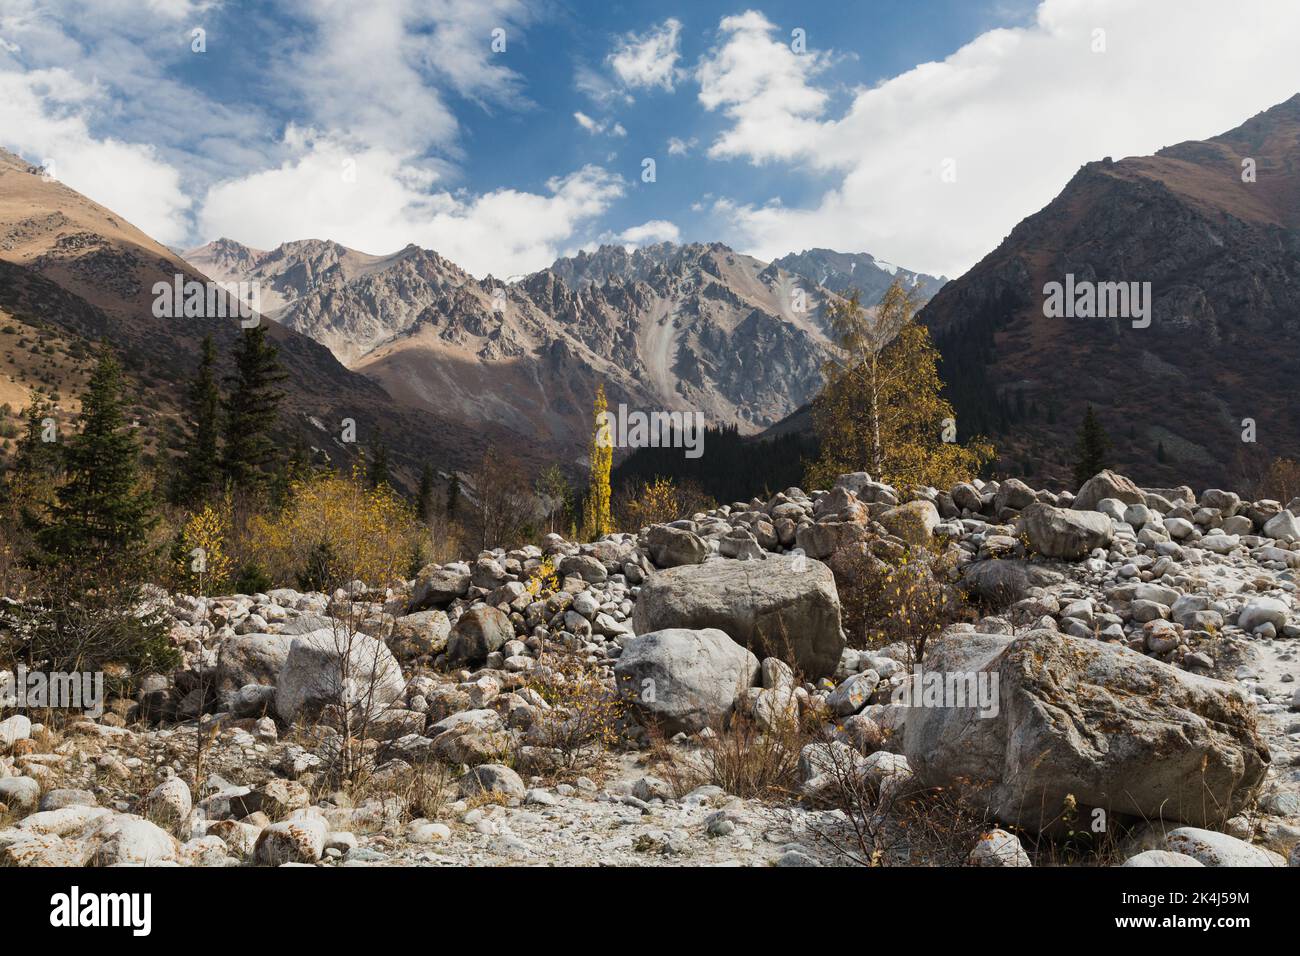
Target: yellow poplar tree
x=596 y=513
x=882 y=410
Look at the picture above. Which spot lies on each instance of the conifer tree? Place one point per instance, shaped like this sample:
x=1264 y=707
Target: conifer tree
x=377 y=472
x=34 y=455
x=882 y=410
x=453 y=495
x=252 y=409
x=101 y=515
x=424 y=498
x=201 y=462
x=596 y=510
x=1091 y=449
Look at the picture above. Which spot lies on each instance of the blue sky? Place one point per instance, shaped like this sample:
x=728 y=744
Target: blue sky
x=918 y=130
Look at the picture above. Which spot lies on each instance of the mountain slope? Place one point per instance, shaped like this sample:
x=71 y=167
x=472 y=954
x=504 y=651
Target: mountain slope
x=70 y=263
x=1222 y=256
x=680 y=328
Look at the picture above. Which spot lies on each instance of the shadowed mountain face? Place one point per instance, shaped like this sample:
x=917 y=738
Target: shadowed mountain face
x=667 y=327
x=70 y=263
x=1214 y=227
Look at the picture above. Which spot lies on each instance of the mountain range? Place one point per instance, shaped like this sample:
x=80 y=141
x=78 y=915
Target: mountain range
x=437 y=363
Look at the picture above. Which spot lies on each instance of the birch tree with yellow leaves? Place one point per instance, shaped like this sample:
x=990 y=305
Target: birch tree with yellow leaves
x=882 y=410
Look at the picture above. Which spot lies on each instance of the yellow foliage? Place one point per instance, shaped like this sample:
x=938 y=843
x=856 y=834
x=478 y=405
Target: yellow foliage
x=596 y=512
x=202 y=563
x=544 y=577
x=368 y=533
x=882 y=410
x=658 y=502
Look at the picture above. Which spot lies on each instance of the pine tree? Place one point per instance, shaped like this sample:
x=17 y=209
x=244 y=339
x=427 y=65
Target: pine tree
x=201 y=462
x=377 y=473
x=453 y=495
x=596 y=511
x=34 y=455
x=424 y=498
x=101 y=515
x=252 y=409
x=882 y=410
x=1091 y=449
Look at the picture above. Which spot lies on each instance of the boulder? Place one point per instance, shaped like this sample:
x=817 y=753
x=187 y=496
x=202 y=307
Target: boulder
x=251 y=659
x=672 y=547
x=1211 y=848
x=786 y=607
x=300 y=840
x=1013 y=493
x=1064 y=533
x=683 y=680
x=479 y=631
x=1107 y=484
x=914 y=522
x=998 y=848
x=1161 y=858
x=1099 y=722
x=332 y=667
x=492 y=778
x=437 y=587
x=424 y=633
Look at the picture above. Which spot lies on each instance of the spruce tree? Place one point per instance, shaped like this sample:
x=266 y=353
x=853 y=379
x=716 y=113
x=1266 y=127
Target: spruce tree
x=424 y=499
x=453 y=495
x=377 y=474
x=251 y=410
x=201 y=462
x=1091 y=449
x=33 y=455
x=101 y=515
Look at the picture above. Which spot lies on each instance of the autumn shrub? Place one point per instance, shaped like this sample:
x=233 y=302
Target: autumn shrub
x=909 y=596
x=332 y=526
x=660 y=500
x=584 y=712
x=200 y=562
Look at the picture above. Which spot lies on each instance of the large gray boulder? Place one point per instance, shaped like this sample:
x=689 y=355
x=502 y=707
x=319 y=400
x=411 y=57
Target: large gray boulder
x=672 y=547
x=684 y=680
x=1099 y=722
x=251 y=659
x=331 y=667
x=1065 y=533
x=785 y=607
x=1108 y=484
x=477 y=633
x=437 y=587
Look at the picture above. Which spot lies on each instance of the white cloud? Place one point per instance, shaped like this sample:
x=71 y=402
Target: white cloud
x=680 y=147
x=1019 y=110
x=391 y=202
x=764 y=88
x=648 y=59
x=656 y=230
x=596 y=127
x=43 y=118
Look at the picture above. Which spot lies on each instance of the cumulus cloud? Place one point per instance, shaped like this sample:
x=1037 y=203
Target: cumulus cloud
x=376 y=201
x=43 y=118
x=680 y=147
x=648 y=59
x=656 y=230
x=1017 y=111
x=764 y=88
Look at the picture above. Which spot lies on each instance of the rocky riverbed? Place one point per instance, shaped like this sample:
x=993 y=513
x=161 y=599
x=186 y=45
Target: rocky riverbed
x=573 y=704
